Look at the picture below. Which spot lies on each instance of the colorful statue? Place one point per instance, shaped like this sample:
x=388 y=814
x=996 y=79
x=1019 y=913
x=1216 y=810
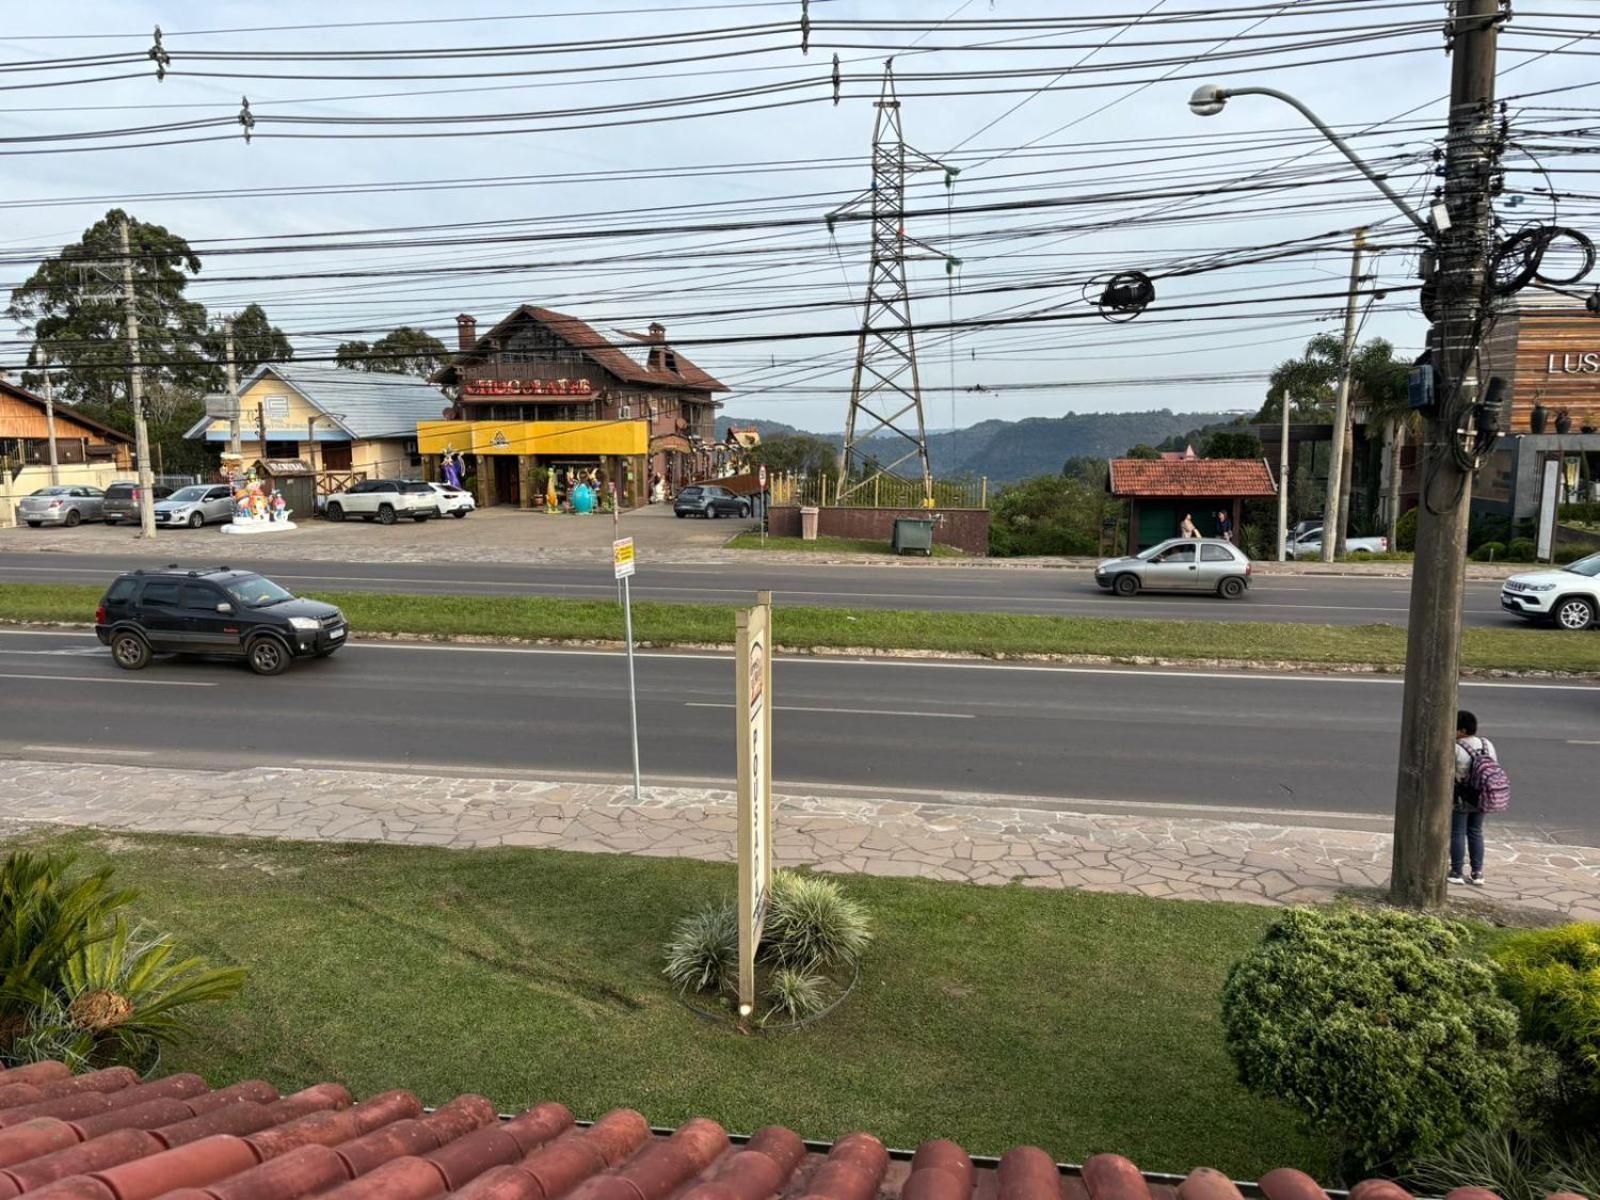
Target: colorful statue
x=583 y=499
x=550 y=502
x=452 y=468
x=279 y=506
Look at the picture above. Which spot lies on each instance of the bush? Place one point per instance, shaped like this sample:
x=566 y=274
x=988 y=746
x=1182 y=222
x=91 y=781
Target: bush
x=1378 y=1026
x=1586 y=512
x=1553 y=977
x=1047 y=515
x=795 y=994
x=812 y=924
x=1490 y=552
x=1513 y=1165
x=1571 y=554
x=1520 y=550
x=1405 y=531
x=703 y=953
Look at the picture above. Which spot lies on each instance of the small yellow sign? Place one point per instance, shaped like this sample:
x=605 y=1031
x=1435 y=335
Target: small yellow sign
x=622 y=557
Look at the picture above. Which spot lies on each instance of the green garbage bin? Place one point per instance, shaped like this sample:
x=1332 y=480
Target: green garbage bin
x=913 y=535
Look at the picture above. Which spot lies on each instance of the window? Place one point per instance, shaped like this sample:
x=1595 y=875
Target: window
x=218 y=493
x=161 y=594
x=386 y=487
x=1178 y=554
x=199 y=596
x=121 y=590
x=1209 y=553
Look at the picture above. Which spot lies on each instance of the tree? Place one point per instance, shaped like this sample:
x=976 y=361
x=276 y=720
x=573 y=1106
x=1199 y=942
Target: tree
x=1232 y=443
x=797 y=454
x=1047 y=514
x=1144 y=451
x=256 y=340
x=1308 y=382
x=1086 y=468
x=72 y=307
x=406 y=351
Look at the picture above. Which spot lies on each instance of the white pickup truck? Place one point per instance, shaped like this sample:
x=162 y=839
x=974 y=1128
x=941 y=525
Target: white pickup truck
x=1309 y=545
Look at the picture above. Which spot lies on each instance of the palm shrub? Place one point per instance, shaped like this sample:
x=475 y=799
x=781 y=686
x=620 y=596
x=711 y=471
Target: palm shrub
x=1513 y=1165
x=795 y=994
x=703 y=952
x=1553 y=978
x=46 y=921
x=811 y=924
x=1380 y=1027
x=1405 y=530
x=120 y=996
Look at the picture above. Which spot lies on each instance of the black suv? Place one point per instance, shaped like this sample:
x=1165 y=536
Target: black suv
x=122 y=501
x=218 y=611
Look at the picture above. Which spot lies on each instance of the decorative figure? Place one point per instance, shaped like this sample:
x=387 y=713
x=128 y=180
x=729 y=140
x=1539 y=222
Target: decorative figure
x=279 y=507
x=452 y=467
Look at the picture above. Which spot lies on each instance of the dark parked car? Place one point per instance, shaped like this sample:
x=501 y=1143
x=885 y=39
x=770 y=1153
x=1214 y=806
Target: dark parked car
x=122 y=501
x=237 y=614
x=708 y=500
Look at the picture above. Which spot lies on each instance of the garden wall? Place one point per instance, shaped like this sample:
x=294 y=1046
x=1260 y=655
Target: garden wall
x=965 y=529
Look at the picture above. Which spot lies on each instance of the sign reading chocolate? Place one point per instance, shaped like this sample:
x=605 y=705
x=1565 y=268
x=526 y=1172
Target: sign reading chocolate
x=528 y=387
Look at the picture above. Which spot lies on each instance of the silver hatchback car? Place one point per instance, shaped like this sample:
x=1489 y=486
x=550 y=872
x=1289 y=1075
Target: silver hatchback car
x=196 y=505
x=61 y=504
x=1179 y=565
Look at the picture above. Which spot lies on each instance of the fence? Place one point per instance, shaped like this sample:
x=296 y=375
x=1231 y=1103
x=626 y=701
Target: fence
x=886 y=491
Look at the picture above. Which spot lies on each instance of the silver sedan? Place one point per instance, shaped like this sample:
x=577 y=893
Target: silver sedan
x=1179 y=565
x=197 y=505
x=61 y=505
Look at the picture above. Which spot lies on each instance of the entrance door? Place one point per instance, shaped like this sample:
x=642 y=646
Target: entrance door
x=507 y=479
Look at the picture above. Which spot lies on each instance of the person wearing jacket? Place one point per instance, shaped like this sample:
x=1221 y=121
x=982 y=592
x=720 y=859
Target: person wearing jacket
x=1466 y=818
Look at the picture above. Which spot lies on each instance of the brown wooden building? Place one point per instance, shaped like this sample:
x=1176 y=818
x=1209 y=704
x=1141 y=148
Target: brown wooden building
x=546 y=390
x=80 y=440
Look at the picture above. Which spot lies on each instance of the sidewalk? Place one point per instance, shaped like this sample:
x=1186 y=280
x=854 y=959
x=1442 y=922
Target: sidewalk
x=1189 y=858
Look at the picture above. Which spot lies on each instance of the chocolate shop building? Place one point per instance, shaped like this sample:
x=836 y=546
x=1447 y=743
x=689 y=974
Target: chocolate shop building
x=545 y=391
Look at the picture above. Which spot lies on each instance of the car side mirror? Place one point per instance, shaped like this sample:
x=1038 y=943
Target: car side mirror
x=224 y=607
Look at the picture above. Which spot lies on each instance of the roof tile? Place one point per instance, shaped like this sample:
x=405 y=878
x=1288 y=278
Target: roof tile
x=230 y=1145
x=1200 y=478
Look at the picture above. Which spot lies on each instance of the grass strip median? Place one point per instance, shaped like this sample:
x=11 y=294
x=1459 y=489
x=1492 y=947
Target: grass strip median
x=1085 y=1022
x=993 y=634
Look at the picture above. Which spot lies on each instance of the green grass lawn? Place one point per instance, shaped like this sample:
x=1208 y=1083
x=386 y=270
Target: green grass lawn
x=828 y=545
x=995 y=1016
x=536 y=617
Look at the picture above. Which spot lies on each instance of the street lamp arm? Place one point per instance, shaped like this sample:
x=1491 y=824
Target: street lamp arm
x=1341 y=144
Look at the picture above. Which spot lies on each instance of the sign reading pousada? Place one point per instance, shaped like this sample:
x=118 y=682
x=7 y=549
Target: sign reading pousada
x=753 y=709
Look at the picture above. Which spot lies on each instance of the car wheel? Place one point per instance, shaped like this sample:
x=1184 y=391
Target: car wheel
x=130 y=651
x=1126 y=585
x=73 y=517
x=110 y=521
x=744 y=511
x=1231 y=588
x=196 y=520
x=386 y=515
x=1574 y=613
x=679 y=515
x=267 y=656
x=419 y=518
x=459 y=513
x=37 y=524
x=335 y=512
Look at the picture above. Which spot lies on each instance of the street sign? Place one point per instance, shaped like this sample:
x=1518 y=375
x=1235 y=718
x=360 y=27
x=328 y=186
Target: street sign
x=1548 y=508
x=622 y=557
x=761 y=476
x=753 y=709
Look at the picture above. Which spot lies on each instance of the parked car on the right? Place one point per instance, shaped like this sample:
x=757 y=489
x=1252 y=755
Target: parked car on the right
x=453 y=501
x=384 y=501
x=709 y=500
x=1308 y=544
x=1570 y=596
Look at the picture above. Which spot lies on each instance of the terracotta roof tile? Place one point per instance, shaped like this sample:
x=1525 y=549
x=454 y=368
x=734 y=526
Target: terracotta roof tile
x=1200 y=478
x=246 y=1143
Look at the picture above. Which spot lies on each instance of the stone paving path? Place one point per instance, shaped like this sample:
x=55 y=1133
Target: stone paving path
x=1185 y=858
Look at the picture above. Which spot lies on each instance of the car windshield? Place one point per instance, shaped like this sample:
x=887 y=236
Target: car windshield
x=689 y=493
x=255 y=592
x=1147 y=555
x=52 y=491
x=1589 y=567
x=189 y=495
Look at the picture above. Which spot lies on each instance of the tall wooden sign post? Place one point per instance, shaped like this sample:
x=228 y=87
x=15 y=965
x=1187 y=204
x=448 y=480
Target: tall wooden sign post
x=753 y=708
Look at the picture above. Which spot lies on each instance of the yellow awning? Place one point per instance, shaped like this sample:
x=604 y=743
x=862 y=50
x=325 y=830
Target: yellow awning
x=540 y=438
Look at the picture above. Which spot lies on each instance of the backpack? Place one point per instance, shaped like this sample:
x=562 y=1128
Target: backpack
x=1487 y=783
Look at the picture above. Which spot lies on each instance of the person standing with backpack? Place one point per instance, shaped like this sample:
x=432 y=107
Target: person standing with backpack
x=1481 y=788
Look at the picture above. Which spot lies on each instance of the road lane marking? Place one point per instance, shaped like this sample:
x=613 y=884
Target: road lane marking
x=98 y=749
x=110 y=679
x=854 y=712
x=1572 y=742
x=827 y=660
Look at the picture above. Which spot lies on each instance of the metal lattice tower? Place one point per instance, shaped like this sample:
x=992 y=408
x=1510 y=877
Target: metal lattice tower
x=885 y=390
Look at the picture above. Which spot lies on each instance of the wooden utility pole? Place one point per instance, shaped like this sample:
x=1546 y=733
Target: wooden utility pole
x=50 y=424
x=1425 y=787
x=141 y=435
x=1332 y=524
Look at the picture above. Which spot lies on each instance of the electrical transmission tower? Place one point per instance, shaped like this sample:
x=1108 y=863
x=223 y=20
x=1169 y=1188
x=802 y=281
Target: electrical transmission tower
x=885 y=391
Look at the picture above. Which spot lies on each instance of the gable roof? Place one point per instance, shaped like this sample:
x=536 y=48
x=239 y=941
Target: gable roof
x=65 y=412
x=108 y=1133
x=644 y=361
x=1139 y=477
x=368 y=404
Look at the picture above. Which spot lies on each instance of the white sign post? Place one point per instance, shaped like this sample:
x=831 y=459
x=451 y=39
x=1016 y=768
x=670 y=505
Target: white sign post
x=753 y=707
x=622 y=566
x=1547 y=511
x=761 y=490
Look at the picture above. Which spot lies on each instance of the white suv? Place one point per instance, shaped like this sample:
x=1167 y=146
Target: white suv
x=384 y=501
x=453 y=502
x=1570 y=597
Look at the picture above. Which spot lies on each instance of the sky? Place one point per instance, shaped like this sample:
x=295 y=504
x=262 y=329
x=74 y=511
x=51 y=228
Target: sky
x=627 y=162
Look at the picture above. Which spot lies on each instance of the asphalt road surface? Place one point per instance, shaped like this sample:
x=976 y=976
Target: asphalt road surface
x=1246 y=746
x=1336 y=600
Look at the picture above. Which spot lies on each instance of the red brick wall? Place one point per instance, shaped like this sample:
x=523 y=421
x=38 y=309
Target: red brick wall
x=967 y=529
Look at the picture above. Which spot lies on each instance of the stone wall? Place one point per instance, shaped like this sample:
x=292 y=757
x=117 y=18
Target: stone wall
x=966 y=529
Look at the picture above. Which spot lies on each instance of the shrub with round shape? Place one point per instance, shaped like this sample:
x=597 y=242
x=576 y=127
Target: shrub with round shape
x=1380 y=1027
x=1405 y=531
x=703 y=953
x=1553 y=977
x=811 y=924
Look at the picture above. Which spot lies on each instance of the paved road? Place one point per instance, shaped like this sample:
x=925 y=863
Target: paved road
x=1271 y=747
x=1338 y=600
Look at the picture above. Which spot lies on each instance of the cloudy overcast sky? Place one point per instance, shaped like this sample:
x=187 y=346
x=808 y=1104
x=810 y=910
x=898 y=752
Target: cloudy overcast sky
x=626 y=162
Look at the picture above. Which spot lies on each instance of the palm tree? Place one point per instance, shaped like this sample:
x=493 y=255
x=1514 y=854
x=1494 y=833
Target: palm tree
x=1381 y=381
